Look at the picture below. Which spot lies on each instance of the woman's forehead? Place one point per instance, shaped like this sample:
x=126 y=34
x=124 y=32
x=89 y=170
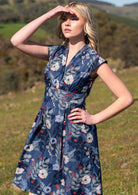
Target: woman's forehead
x=68 y=14
x=76 y=14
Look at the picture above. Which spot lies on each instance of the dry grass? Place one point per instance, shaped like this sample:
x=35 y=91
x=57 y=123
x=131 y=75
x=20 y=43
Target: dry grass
x=117 y=136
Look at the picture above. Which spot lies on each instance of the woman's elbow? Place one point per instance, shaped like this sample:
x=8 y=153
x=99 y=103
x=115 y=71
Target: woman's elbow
x=13 y=41
x=129 y=99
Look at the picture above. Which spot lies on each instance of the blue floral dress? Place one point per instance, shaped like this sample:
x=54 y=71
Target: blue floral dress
x=61 y=157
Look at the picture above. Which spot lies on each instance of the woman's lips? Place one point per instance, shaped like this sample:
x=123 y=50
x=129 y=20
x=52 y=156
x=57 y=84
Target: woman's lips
x=67 y=30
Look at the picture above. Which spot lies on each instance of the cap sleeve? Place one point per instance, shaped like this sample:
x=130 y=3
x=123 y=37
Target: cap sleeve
x=97 y=59
x=52 y=49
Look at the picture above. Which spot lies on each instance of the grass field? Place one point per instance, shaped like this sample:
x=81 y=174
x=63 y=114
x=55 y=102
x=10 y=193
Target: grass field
x=117 y=136
x=8 y=29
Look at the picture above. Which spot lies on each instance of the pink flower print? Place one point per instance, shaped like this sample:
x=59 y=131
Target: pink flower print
x=79 y=166
x=57 y=186
x=56 y=167
x=59 y=118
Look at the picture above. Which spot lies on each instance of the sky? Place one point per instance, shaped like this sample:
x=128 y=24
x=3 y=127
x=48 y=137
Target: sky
x=120 y=2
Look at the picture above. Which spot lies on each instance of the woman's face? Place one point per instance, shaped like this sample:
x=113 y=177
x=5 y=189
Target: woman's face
x=72 y=25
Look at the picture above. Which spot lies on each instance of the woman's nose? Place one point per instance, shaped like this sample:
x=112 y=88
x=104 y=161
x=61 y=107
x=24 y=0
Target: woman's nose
x=67 y=22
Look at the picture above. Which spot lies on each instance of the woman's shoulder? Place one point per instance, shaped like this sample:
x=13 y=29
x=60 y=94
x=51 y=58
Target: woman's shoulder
x=95 y=58
x=54 y=49
x=91 y=51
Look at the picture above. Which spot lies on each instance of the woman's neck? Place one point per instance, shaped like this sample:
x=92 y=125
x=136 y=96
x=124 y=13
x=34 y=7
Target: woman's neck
x=76 y=46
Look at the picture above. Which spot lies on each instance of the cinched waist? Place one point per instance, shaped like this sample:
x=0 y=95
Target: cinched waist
x=64 y=95
x=58 y=101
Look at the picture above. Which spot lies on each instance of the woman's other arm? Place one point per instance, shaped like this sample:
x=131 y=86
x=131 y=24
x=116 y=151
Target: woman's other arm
x=124 y=99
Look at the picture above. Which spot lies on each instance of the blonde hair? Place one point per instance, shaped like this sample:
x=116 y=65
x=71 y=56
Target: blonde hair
x=89 y=26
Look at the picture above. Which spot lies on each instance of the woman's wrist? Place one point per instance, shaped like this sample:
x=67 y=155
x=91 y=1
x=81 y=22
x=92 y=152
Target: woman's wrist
x=94 y=120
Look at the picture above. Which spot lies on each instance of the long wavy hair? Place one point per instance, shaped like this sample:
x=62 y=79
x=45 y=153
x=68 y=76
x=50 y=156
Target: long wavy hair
x=90 y=34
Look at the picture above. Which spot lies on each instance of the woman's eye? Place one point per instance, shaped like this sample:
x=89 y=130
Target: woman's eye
x=74 y=18
x=64 y=19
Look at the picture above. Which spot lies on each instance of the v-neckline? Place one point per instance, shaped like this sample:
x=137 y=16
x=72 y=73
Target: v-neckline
x=66 y=55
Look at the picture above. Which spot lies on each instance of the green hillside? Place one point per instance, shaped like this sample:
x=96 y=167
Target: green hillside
x=23 y=10
x=117 y=136
x=126 y=11
x=125 y=20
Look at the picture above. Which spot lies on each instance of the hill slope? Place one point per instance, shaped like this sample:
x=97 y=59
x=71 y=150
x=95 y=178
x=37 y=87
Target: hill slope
x=117 y=136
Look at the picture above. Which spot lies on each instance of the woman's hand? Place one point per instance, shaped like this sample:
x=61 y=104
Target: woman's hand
x=57 y=11
x=79 y=115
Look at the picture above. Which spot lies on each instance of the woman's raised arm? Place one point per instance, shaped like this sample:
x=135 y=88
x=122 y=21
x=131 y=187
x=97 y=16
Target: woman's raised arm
x=21 y=39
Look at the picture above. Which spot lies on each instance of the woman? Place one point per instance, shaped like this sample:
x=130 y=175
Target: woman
x=61 y=153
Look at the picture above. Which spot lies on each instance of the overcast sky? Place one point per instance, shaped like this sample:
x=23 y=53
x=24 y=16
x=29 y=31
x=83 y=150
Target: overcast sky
x=120 y=2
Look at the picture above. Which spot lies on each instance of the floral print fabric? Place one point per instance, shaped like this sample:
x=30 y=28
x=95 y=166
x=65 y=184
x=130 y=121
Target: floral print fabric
x=59 y=157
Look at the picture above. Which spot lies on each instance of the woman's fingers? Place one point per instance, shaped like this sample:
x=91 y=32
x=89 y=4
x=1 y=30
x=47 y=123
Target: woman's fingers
x=76 y=109
x=69 y=9
x=76 y=114
x=75 y=117
x=61 y=9
x=79 y=115
x=77 y=121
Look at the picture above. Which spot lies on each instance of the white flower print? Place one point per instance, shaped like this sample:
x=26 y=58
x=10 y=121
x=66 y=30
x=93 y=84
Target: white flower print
x=28 y=148
x=47 y=189
x=84 y=89
x=27 y=157
x=59 y=118
x=56 y=83
x=89 y=138
x=19 y=171
x=55 y=66
x=84 y=128
x=98 y=189
x=42 y=174
x=33 y=124
x=69 y=80
x=64 y=132
x=48 y=123
x=62 y=182
x=56 y=167
x=64 y=60
x=100 y=60
x=39 y=160
x=66 y=159
x=86 y=180
x=53 y=140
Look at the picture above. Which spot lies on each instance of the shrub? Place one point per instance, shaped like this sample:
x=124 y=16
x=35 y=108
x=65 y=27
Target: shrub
x=10 y=81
